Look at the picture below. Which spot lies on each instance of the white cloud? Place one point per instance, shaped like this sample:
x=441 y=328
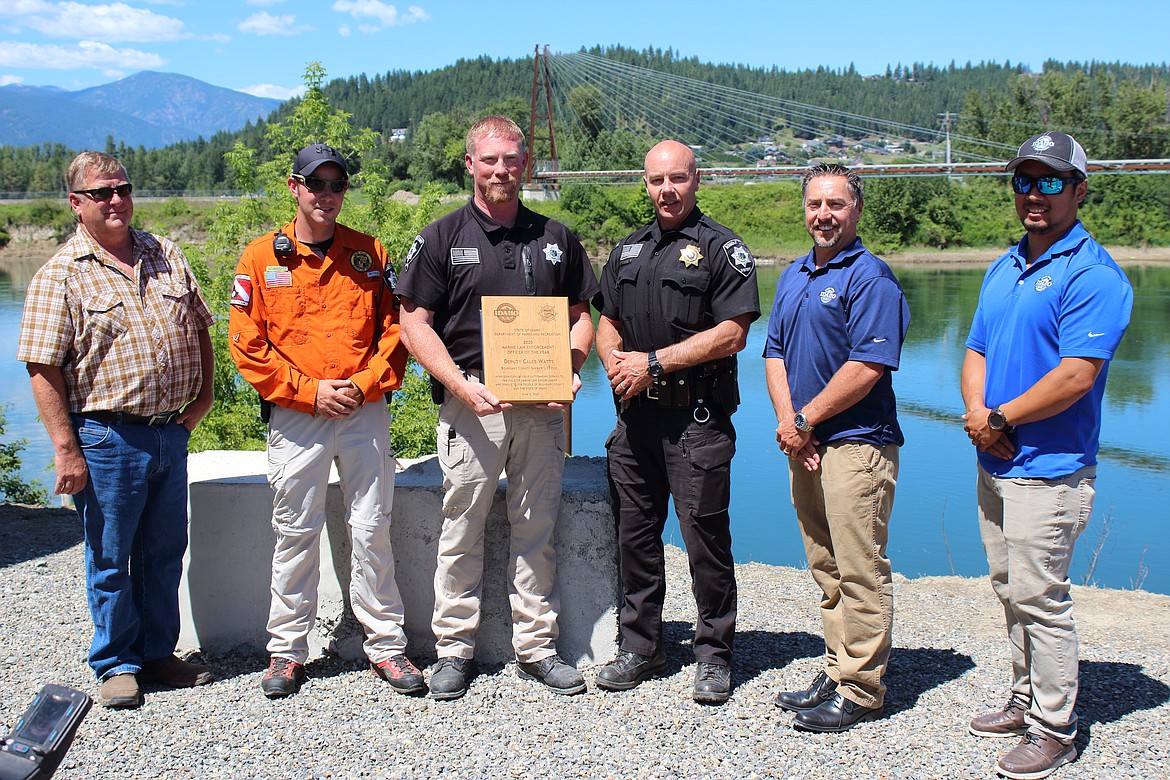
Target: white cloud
x=274 y=91
x=377 y=11
x=265 y=23
x=109 y=22
x=343 y=31
x=6 y=79
x=85 y=54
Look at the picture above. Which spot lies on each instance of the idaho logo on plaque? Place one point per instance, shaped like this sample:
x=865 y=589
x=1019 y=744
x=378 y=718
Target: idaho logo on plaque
x=526 y=353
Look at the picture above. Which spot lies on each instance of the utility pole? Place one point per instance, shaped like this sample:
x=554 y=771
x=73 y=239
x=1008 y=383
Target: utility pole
x=541 y=115
x=947 y=118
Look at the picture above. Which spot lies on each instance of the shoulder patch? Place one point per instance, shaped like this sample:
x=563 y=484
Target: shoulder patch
x=241 y=290
x=389 y=277
x=415 y=248
x=739 y=257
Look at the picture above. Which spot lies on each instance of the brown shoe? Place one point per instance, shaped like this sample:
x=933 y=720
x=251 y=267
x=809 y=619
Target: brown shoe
x=174 y=673
x=1038 y=755
x=1008 y=722
x=120 y=692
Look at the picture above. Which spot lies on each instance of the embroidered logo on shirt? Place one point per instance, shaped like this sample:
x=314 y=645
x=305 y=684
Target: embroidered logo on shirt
x=415 y=248
x=277 y=276
x=1093 y=335
x=739 y=257
x=241 y=290
x=1043 y=283
x=828 y=295
x=690 y=256
x=361 y=261
x=629 y=252
x=463 y=256
x=553 y=253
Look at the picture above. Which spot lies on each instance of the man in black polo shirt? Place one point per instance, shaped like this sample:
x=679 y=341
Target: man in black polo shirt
x=678 y=296
x=494 y=246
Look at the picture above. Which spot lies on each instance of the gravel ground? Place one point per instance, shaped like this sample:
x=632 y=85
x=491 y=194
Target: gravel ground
x=949 y=663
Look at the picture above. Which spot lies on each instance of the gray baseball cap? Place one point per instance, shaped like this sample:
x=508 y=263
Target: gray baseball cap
x=314 y=156
x=1056 y=150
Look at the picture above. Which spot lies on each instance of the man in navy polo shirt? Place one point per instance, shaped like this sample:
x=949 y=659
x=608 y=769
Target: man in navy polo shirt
x=1051 y=314
x=494 y=245
x=834 y=338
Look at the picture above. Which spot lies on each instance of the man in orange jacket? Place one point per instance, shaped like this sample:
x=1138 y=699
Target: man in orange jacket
x=314 y=328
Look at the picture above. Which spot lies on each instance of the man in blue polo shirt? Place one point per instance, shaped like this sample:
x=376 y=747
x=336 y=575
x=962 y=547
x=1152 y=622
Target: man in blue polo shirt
x=834 y=338
x=1051 y=314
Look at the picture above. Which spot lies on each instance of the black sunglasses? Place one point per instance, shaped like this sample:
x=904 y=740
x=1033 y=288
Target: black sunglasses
x=317 y=184
x=1048 y=185
x=105 y=193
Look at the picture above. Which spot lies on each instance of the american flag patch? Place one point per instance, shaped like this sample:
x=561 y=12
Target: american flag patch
x=461 y=256
x=241 y=290
x=630 y=251
x=277 y=276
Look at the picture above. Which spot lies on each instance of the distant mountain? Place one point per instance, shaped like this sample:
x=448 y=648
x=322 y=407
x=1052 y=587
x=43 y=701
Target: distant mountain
x=148 y=109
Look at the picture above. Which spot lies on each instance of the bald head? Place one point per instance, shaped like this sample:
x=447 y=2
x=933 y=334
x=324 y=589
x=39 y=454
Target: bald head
x=671 y=181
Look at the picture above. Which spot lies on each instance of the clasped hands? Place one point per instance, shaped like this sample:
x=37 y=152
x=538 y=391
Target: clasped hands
x=338 y=398
x=801 y=446
x=995 y=443
x=629 y=373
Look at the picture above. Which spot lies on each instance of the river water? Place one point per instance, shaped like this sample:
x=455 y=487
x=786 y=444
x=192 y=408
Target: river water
x=933 y=529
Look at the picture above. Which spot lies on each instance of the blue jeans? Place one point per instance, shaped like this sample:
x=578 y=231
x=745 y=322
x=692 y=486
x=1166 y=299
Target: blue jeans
x=134 y=513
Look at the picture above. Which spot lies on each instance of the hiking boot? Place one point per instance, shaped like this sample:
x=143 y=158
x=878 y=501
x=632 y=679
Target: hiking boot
x=450 y=677
x=822 y=689
x=629 y=669
x=557 y=676
x=403 y=676
x=120 y=692
x=283 y=678
x=712 y=683
x=1038 y=755
x=175 y=673
x=1008 y=722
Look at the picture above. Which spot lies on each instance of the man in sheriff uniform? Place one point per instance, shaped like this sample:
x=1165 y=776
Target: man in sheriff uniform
x=494 y=246
x=314 y=329
x=677 y=299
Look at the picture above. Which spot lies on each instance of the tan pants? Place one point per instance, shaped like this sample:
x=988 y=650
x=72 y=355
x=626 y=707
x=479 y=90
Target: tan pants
x=528 y=444
x=301 y=449
x=844 y=513
x=1029 y=527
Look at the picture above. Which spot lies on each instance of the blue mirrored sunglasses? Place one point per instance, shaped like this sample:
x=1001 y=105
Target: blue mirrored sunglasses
x=1048 y=185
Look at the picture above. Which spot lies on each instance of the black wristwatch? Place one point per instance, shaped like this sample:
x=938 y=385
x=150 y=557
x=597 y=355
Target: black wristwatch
x=997 y=421
x=656 y=370
x=800 y=422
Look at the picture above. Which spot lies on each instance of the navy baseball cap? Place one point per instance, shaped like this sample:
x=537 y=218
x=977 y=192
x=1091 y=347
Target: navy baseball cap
x=1056 y=150
x=314 y=156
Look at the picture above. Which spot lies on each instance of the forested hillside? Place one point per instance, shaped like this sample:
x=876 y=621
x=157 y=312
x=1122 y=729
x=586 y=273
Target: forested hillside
x=1118 y=111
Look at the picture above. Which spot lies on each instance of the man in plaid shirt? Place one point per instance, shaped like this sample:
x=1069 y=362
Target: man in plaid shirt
x=115 y=338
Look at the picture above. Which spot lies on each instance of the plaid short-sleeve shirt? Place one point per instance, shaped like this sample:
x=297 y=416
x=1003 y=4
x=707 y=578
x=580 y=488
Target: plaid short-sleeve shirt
x=123 y=344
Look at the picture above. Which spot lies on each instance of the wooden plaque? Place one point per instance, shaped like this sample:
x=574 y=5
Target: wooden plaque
x=526 y=353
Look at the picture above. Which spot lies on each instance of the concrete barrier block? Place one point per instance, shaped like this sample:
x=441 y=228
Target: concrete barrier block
x=224 y=594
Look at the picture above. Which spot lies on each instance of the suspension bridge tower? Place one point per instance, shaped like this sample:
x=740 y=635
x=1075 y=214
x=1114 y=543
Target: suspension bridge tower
x=541 y=135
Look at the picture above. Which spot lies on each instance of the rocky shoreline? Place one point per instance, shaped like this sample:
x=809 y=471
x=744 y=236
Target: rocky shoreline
x=949 y=663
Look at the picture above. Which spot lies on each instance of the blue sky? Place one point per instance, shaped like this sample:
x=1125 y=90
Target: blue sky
x=262 y=46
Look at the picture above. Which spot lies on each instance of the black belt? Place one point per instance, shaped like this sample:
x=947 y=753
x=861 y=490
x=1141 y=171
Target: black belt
x=125 y=418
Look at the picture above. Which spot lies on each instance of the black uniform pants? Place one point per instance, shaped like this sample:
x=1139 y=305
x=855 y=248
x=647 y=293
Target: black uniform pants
x=655 y=454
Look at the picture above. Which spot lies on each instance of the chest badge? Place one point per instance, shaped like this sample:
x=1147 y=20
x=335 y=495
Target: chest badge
x=828 y=295
x=361 y=261
x=690 y=256
x=553 y=253
x=1043 y=283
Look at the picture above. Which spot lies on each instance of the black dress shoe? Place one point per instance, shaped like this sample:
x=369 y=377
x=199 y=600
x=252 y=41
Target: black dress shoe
x=822 y=689
x=837 y=714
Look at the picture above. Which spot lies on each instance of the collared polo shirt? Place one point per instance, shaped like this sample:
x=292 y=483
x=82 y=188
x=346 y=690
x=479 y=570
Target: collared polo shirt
x=465 y=255
x=665 y=286
x=1074 y=301
x=853 y=308
x=123 y=344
